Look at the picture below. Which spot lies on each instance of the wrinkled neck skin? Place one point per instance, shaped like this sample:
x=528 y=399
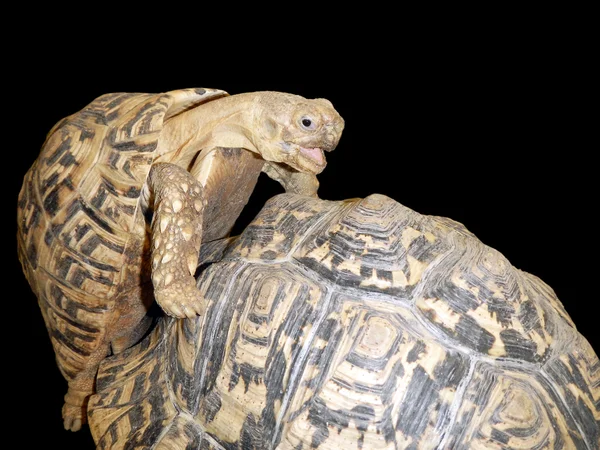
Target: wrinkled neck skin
x=230 y=124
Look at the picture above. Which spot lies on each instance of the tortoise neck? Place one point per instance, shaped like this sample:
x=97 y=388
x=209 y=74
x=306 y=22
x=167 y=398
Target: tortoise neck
x=235 y=110
x=225 y=122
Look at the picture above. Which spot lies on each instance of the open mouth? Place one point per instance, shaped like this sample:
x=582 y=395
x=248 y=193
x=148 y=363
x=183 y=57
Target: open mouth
x=309 y=159
x=315 y=155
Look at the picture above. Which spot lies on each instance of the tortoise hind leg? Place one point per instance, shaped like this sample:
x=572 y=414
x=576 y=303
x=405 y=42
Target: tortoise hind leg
x=130 y=323
x=74 y=410
x=133 y=320
x=122 y=343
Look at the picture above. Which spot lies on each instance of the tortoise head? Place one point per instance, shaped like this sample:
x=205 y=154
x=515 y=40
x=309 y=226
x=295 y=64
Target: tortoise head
x=295 y=131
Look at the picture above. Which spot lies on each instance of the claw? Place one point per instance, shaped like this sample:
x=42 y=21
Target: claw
x=189 y=311
x=175 y=311
x=72 y=417
x=199 y=306
x=73 y=424
x=181 y=299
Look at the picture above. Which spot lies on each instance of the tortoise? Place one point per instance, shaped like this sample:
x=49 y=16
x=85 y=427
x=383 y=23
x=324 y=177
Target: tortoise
x=112 y=213
x=356 y=324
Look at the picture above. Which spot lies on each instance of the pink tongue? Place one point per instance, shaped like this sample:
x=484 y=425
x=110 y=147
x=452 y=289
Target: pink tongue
x=313 y=153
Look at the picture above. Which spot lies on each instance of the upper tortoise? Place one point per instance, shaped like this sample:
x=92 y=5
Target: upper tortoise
x=357 y=324
x=112 y=213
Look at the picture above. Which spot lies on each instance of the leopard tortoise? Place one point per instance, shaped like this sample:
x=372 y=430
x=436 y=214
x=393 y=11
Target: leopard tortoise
x=113 y=212
x=356 y=324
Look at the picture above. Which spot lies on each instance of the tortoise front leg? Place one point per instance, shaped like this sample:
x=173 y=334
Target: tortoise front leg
x=292 y=180
x=176 y=238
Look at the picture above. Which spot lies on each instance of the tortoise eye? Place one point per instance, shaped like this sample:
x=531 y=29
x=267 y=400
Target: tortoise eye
x=307 y=123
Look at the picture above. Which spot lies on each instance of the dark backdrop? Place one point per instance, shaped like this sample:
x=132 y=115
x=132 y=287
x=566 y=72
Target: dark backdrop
x=488 y=134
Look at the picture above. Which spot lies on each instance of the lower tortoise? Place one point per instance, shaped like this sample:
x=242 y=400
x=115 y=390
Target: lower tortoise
x=356 y=324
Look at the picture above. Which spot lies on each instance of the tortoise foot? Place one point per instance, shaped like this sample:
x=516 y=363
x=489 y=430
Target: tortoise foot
x=74 y=411
x=71 y=423
x=181 y=299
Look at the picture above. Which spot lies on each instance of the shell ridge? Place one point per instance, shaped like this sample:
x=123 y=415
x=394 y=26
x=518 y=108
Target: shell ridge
x=35 y=180
x=297 y=372
x=138 y=366
x=456 y=403
x=168 y=384
x=210 y=335
x=183 y=100
x=336 y=209
x=566 y=410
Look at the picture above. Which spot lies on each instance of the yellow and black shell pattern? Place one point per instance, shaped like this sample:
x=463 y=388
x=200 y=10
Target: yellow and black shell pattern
x=357 y=324
x=80 y=232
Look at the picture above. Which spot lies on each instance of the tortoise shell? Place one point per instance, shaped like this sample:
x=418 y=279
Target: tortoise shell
x=357 y=324
x=78 y=215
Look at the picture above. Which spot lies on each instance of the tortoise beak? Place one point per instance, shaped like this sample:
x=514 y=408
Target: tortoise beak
x=333 y=134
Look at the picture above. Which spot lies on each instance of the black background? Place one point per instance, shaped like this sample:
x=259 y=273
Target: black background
x=486 y=128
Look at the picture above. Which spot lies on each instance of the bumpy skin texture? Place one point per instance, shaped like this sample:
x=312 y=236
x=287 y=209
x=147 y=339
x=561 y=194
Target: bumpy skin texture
x=177 y=234
x=112 y=214
x=357 y=324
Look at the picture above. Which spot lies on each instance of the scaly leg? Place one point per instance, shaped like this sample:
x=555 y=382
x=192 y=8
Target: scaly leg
x=129 y=323
x=74 y=410
x=176 y=238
